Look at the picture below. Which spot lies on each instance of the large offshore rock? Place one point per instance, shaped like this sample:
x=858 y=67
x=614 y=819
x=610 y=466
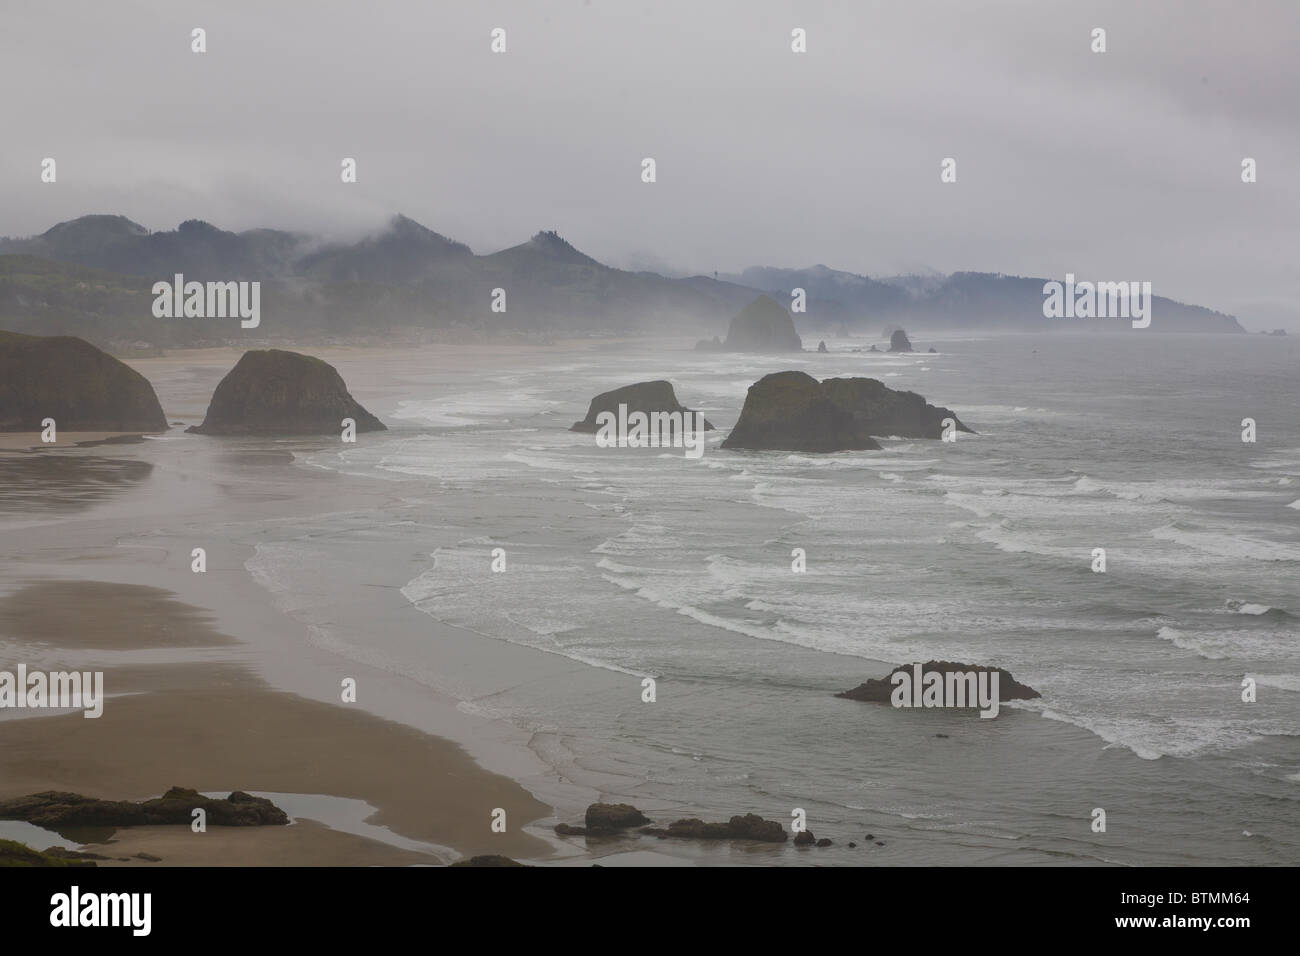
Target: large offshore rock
x=274 y=392
x=69 y=380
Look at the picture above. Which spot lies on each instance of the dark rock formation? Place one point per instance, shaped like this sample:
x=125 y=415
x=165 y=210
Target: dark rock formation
x=707 y=345
x=763 y=326
x=804 y=838
x=53 y=809
x=71 y=381
x=821 y=346
x=792 y=411
x=749 y=827
x=880 y=411
x=614 y=816
x=13 y=853
x=878 y=690
x=932 y=350
x=642 y=397
x=272 y=391
x=63 y=853
x=604 y=819
x=898 y=342
x=824 y=841
x=490 y=859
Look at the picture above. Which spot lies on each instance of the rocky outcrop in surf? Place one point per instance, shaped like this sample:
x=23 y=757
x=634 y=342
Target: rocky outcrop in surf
x=604 y=819
x=899 y=342
x=749 y=827
x=274 y=392
x=647 y=397
x=792 y=411
x=878 y=690
x=79 y=386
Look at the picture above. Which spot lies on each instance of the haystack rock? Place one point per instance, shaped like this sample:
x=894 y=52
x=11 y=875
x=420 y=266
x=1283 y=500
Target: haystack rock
x=642 y=397
x=79 y=386
x=763 y=326
x=878 y=690
x=792 y=411
x=273 y=392
x=899 y=342
x=821 y=346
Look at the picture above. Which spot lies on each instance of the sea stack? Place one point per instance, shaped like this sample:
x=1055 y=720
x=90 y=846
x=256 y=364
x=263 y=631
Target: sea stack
x=763 y=326
x=647 y=397
x=79 y=386
x=792 y=411
x=899 y=342
x=274 y=392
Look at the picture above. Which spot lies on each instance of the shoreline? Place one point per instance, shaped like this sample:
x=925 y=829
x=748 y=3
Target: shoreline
x=219 y=727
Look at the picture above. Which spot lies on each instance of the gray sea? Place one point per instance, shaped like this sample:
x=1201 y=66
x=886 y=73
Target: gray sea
x=646 y=563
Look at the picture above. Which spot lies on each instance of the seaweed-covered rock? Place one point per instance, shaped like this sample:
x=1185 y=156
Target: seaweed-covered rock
x=13 y=853
x=749 y=827
x=271 y=391
x=763 y=326
x=614 y=816
x=647 y=397
x=605 y=819
x=69 y=380
x=53 y=809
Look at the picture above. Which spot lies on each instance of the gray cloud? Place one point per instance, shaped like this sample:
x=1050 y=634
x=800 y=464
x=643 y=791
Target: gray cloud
x=1123 y=165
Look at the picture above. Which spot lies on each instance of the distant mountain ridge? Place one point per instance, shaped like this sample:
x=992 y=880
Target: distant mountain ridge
x=408 y=277
x=962 y=300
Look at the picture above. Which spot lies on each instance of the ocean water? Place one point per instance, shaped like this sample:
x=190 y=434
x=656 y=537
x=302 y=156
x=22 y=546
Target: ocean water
x=645 y=563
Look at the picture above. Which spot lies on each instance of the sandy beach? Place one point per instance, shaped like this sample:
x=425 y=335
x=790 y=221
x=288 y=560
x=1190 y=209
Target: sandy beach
x=186 y=704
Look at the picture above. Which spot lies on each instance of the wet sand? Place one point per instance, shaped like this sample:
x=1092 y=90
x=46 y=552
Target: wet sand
x=218 y=727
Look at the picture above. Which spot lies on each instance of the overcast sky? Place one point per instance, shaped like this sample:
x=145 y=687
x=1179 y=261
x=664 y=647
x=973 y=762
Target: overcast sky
x=1114 y=166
